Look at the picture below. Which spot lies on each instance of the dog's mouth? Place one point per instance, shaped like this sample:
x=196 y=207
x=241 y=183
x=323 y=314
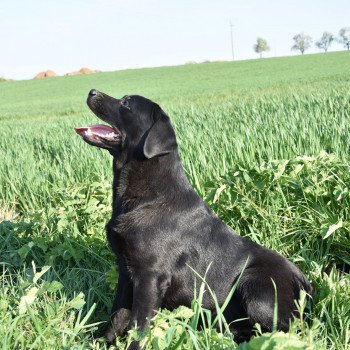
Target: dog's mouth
x=100 y=135
x=99 y=132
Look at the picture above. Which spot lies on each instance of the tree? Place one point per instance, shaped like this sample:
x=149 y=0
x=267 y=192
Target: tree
x=344 y=37
x=302 y=42
x=325 y=42
x=261 y=46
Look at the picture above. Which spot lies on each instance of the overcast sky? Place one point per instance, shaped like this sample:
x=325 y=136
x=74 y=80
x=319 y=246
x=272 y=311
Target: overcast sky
x=66 y=35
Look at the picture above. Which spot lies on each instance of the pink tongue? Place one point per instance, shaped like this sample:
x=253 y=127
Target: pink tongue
x=98 y=130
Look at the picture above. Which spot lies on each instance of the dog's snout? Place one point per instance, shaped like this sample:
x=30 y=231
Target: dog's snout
x=93 y=92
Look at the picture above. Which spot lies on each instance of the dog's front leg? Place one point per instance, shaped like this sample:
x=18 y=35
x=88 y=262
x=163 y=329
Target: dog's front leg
x=148 y=293
x=121 y=309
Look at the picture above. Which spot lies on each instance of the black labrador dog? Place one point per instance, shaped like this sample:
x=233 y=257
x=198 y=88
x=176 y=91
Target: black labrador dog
x=161 y=229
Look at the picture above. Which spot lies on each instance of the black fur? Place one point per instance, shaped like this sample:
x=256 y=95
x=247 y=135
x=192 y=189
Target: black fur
x=160 y=227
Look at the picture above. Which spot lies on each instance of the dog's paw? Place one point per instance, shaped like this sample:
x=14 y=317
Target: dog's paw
x=109 y=336
x=135 y=345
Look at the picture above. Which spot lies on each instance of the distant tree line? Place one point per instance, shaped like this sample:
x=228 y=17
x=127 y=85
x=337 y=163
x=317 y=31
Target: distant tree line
x=303 y=42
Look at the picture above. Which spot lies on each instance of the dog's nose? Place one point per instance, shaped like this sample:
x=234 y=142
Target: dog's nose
x=93 y=92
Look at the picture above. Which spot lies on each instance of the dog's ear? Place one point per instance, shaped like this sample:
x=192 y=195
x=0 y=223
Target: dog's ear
x=161 y=136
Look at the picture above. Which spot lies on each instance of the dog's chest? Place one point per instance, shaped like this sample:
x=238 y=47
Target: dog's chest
x=133 y=237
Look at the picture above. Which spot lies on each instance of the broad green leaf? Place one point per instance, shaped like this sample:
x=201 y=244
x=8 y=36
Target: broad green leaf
x=54 y=286
x=333 y=228
x=281 y=169
x=27 y=299
x=41 y=273
x=78 y=302
x=183 y=312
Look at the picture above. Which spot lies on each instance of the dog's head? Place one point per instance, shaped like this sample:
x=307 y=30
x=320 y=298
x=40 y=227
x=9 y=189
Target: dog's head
x=138 y=126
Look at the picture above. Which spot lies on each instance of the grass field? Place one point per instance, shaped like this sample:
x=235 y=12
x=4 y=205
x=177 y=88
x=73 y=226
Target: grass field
x=264 y=142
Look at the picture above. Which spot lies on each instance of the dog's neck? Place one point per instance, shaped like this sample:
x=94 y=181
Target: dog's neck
x=143 y=181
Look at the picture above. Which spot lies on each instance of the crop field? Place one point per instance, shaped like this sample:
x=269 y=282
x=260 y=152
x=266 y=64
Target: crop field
x=265 y=142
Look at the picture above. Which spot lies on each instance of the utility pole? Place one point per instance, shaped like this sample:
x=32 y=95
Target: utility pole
x=231 y=26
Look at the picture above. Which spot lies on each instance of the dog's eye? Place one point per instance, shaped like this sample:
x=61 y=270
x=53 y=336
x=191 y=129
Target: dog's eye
x=125 y=102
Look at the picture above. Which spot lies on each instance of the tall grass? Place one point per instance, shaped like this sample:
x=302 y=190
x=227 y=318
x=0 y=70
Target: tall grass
x=265 y=143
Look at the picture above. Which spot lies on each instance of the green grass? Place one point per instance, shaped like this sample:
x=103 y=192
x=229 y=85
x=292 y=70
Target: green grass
x=264 y=142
